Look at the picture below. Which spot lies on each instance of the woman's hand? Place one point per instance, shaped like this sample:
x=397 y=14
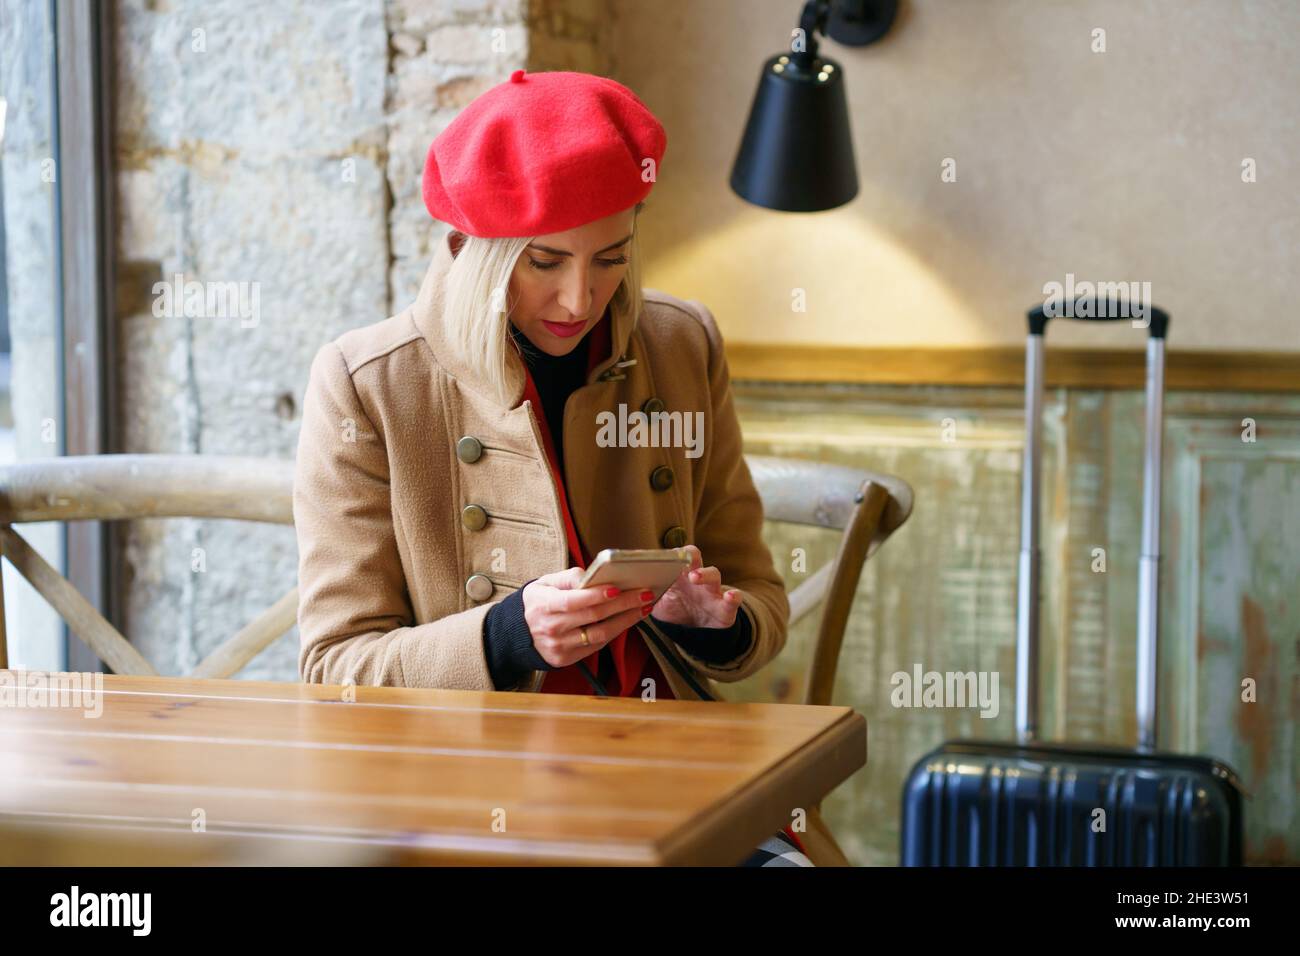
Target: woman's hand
x=556 y=608
x=696 y=598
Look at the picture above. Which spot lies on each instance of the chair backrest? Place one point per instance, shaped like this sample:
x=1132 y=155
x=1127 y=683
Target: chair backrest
x=867 y=506
x=125 y=487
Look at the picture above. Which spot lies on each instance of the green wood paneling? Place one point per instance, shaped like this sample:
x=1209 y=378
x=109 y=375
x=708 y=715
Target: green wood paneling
x=1237 y=538
x=942 y=592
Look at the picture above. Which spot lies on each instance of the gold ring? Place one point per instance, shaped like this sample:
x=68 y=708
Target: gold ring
x=586 y=641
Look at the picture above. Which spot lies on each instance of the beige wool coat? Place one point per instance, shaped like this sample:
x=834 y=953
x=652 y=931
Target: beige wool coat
x=419 y=500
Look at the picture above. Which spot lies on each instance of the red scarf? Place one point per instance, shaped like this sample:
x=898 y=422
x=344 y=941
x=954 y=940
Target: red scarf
x=633 y=661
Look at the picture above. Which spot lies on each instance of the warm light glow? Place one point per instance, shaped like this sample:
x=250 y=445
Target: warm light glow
x=862 y=286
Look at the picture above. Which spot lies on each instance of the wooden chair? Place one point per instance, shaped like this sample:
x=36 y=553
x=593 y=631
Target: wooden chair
x=126 y=487
x=867 y=507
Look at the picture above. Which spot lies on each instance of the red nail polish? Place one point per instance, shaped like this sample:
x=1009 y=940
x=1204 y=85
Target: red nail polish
x=647 y=595
x=611 y=592
x=646 y=610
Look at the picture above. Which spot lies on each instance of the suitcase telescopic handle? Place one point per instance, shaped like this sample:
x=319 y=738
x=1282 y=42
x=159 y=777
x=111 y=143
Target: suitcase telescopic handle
x=1027 y=605
x=1039 y=316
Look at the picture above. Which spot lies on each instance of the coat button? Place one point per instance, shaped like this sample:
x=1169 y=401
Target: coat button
x=469 y=449
x=473 y=517
x=652 y=405
x=478 y=587
x=661 y=479
x=674 y=537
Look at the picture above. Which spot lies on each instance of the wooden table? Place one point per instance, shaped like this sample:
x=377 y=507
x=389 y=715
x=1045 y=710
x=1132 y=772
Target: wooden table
x=420 y=776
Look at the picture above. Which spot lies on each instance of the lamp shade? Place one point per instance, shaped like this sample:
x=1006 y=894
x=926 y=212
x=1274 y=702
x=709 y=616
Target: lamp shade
x=797 y=151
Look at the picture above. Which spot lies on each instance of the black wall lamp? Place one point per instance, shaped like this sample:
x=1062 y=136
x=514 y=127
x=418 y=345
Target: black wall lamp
x=797 y=150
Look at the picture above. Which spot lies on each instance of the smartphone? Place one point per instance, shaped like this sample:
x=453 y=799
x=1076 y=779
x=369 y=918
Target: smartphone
x=652 y=569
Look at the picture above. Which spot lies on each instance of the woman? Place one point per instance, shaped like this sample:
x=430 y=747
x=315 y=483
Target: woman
x=455 y=472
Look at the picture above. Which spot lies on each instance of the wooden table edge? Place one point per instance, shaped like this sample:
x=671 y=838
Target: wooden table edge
x=808 y=772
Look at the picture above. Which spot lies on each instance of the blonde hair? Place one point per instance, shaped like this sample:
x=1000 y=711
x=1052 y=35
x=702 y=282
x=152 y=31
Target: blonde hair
x=476 y=307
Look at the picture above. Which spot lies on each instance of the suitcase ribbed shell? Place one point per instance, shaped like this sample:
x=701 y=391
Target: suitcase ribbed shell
x=975 y=803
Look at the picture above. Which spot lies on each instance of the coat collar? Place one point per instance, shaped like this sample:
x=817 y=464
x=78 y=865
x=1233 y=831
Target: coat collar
x=427 y=314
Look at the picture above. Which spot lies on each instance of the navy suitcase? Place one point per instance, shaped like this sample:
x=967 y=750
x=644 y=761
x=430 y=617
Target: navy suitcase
x=1032 y=803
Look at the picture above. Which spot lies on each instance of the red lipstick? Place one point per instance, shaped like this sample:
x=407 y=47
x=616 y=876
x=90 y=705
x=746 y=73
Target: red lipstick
x=564 y=330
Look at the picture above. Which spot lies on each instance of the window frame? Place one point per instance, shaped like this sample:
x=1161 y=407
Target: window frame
x=83 y=31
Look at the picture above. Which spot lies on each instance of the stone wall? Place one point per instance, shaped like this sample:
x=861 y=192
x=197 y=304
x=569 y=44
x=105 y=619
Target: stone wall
x=282 y=151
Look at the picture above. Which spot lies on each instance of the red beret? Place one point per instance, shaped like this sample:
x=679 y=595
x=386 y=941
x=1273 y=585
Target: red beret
x=542 y=153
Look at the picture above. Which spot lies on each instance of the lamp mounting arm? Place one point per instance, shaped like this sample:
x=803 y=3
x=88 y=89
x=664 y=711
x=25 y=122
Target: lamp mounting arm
x=848 y=22
x=811 y=22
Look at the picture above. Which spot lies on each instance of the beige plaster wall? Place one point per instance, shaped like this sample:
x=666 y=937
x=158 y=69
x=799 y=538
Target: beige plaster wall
x=1122 y=165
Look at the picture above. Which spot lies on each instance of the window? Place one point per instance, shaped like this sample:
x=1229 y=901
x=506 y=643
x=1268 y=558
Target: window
x=51 y=291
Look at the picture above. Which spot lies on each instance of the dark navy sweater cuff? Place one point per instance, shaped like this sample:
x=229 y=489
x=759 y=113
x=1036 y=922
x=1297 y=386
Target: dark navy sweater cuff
x=713 y=645
x=508 y=643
